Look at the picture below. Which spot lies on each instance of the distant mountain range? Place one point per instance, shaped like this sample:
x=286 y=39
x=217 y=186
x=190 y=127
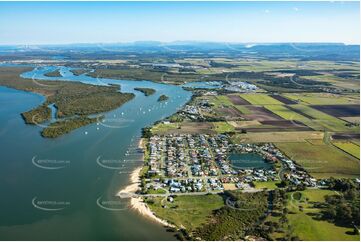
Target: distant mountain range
x=320 y=51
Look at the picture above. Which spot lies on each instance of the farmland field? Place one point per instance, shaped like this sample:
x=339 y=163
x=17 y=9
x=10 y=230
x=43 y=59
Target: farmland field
x=323 y=119
x=277 y=136
x=243 y=109
x=237 y=100
x=323 y=98
x=222 y=100
x=283 y=99
x=260 y=114
x=186 y=127
x=285 y=113
x=351 y=119
x=349 y=147
x=339 y=110
x=260 y=99
x=321 y=160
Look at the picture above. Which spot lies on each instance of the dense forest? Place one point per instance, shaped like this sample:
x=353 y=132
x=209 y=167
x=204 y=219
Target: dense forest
x=146 y=91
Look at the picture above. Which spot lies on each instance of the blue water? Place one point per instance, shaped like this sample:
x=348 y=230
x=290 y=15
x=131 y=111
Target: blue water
x=80 y=181
x=249 y=161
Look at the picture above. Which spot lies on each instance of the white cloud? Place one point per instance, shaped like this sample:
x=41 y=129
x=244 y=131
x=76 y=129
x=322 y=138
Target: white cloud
x=296 y=9
x=267 y=11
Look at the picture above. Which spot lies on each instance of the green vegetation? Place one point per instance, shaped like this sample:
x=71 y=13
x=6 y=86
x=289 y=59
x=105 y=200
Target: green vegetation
x=146 y=91
x=285 y=113
x=223 y=127
x=220 y=101
x=323 y=98
x=266 y=185
x=62 y=127
x=163 y=127
x=349 y=147
x=223 y=100
x=287 y=136
x=237 y=220
x=83 y=99
x=72 y=99
x=303 y=218
x=163 y=98
x=344 y=206
x=156 y=191
x=78 y=72
x=55 y=73
x=321 y=160
x=260 y=99
x=327 y=121
x=243 y=109
x=299 y=215
x=186 y=211
x=145 y=73
x=37 y=115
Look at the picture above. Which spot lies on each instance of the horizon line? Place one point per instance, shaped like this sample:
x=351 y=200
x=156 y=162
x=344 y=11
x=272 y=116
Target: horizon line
x=180 y=41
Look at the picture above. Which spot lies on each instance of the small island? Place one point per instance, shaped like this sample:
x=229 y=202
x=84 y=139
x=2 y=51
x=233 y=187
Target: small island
x=146 y=91
x=55 y=73
x=62 y=127
x=163 y=98
x=78 y=72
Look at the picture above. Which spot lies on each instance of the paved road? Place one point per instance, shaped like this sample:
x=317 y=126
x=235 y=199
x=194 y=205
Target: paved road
x=135 y=195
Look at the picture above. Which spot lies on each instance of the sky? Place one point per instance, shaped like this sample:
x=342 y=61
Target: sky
x=241 y=22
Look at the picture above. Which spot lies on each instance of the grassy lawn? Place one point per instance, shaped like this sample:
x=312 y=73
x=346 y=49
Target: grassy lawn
x=157 y=191
x=321 y=160
x=306 y=227
x=349 y=147
x=187 y=211
x=162 y=128
x=260 y=99
x=223 y=127
x=323 y=98
x=268 y=184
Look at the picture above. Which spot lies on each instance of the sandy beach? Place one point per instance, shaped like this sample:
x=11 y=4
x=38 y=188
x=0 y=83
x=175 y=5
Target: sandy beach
x=136 y=203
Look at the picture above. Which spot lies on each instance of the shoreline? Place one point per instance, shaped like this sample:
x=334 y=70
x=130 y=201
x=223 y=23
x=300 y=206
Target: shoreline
x=137 y=203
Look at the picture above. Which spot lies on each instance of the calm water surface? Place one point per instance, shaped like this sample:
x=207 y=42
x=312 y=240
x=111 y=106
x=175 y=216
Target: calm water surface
x=68 y=196
x=249 y=161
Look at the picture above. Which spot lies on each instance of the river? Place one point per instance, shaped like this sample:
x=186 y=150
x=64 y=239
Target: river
x=51 y=189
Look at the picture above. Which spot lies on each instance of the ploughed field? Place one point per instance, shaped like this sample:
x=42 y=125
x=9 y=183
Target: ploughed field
x=351 y=110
